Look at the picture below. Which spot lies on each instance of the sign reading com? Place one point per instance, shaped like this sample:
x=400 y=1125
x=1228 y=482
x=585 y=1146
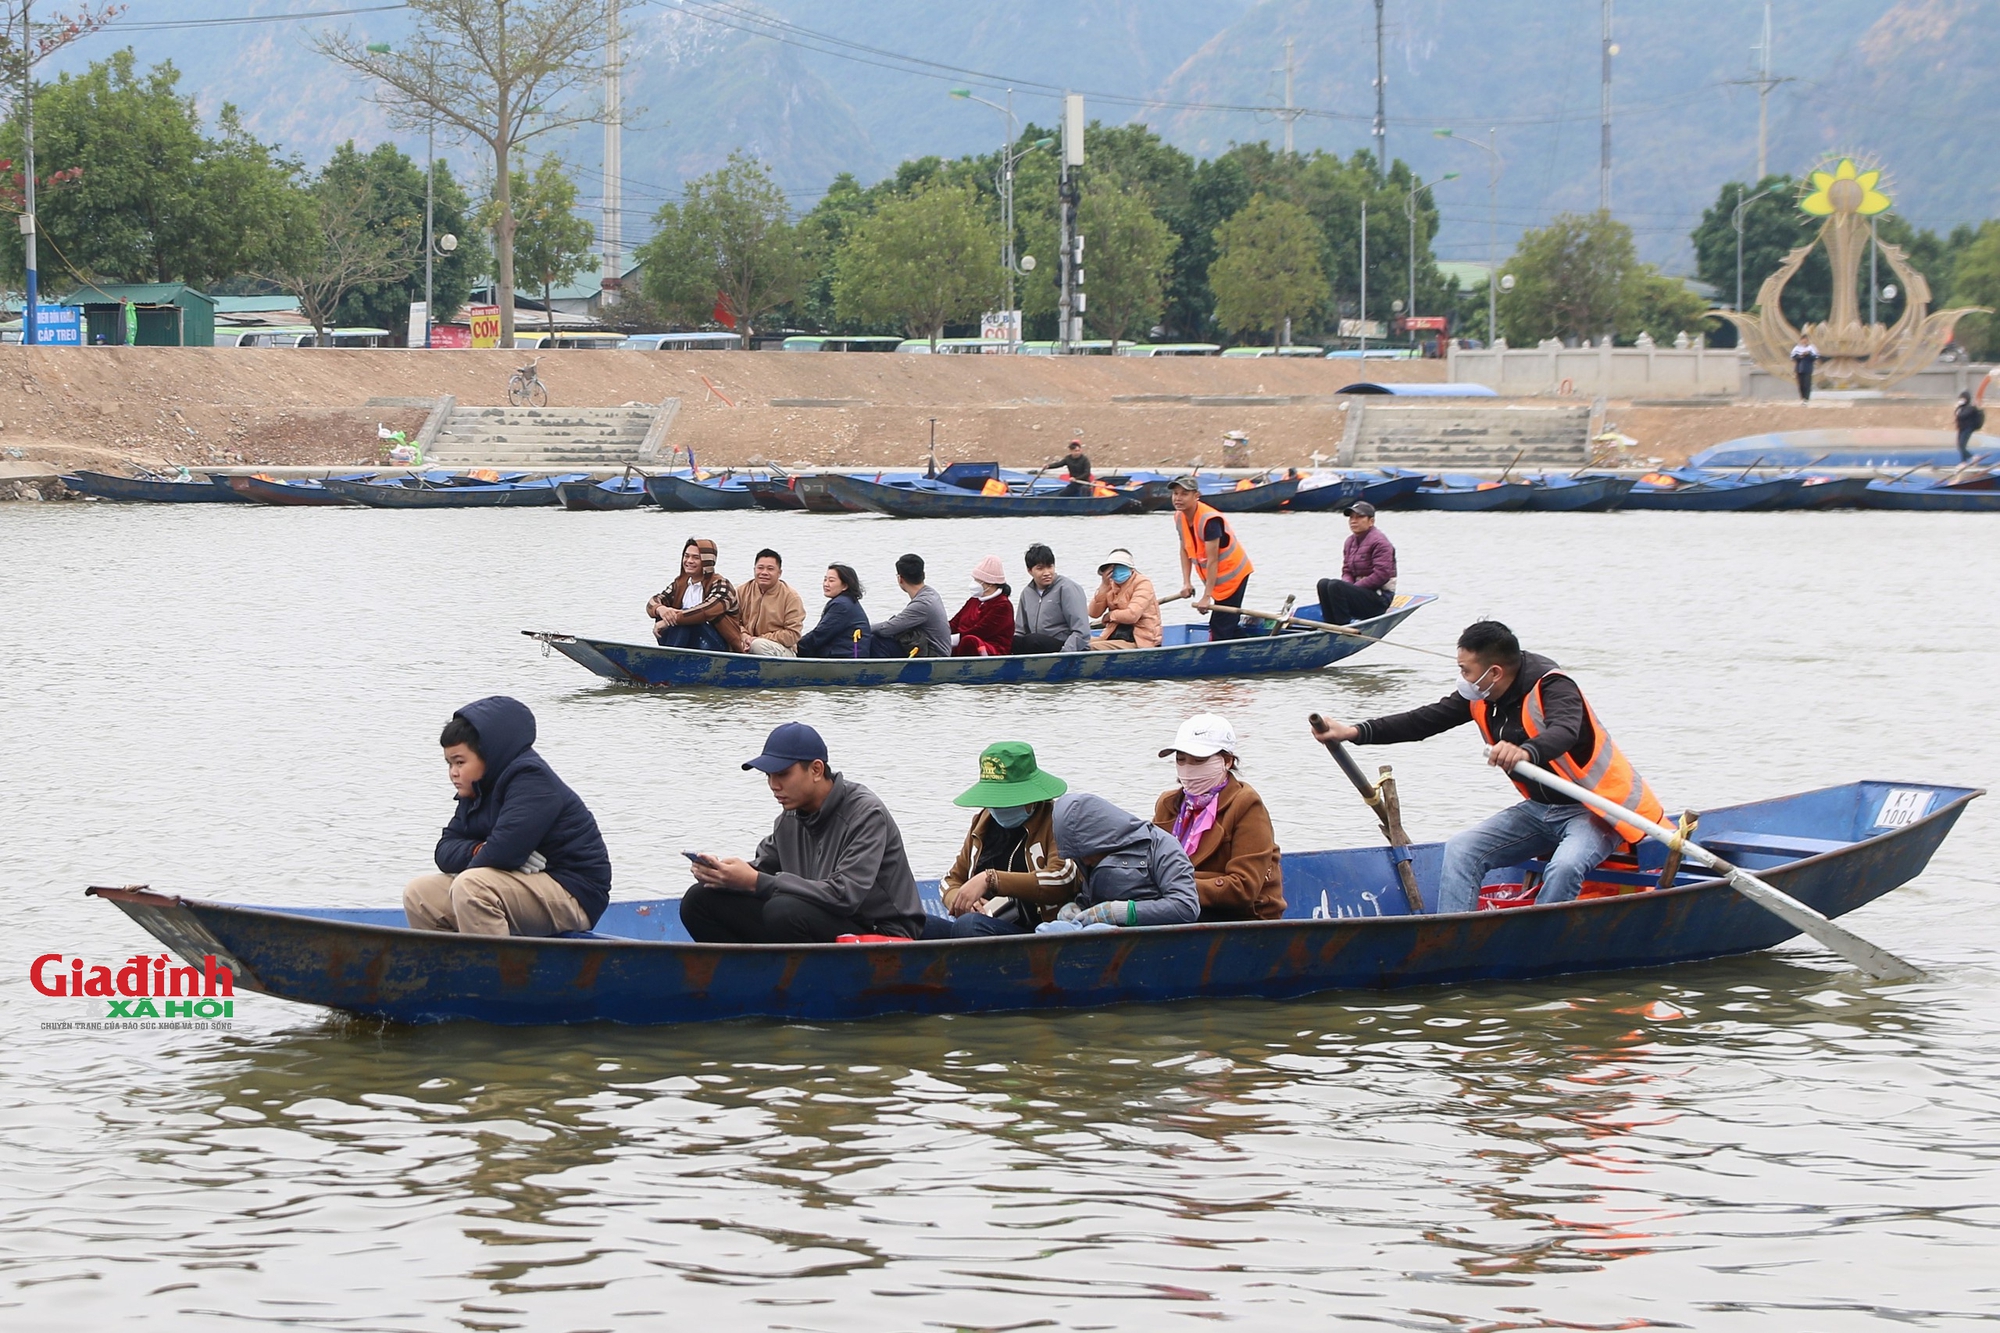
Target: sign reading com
x=148 y=991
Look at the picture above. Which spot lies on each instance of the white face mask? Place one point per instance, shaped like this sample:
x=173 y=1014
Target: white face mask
x=1472 y=689
x=1199 y=777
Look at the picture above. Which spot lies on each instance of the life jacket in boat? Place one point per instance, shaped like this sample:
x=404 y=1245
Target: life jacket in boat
x=1608 y=772
x=1232 y=564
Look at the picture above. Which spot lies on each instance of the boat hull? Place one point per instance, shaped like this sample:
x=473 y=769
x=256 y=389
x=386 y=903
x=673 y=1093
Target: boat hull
x=685 y=668
x=1335 y=495
x=377 y=496
x=774 y=495
x=592 y=497
x=1771 y=494
x=140 y=490
x=1832 y=493
x=264 y=491
x=683 y=496
x=1466 y=499
x=1253 y=499
x=898 y=502
x=638 y=967
x=1893 y=495
x=1586 y=495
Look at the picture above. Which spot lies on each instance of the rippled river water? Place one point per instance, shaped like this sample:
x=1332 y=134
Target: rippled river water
x=244 y=703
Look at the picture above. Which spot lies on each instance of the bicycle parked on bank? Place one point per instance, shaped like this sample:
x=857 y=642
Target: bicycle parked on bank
x=525 y=387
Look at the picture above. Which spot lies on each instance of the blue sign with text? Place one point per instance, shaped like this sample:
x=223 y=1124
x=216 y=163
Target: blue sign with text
x=59 y=325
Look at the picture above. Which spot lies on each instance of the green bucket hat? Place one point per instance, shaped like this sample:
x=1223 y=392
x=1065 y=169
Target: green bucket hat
x=1008 y=777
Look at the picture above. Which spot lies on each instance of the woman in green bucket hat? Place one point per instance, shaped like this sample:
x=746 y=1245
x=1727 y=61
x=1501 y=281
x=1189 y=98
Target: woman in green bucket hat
x=1007 y=871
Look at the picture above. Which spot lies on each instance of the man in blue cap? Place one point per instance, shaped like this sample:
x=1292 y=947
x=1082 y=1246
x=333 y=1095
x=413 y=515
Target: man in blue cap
x=833 y=864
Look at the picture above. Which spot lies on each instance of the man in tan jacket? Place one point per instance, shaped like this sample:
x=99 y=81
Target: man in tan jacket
x=773 y=615
x=1126 y=603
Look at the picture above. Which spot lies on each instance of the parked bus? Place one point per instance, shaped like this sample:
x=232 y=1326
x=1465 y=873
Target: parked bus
x=1287 y=350
x=840 y=343
x=570 y=340
x=1170 y=349
x=720 y=340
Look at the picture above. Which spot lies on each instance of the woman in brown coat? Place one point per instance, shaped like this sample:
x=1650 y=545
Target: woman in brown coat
x=1127 y=605
x=1221 y=823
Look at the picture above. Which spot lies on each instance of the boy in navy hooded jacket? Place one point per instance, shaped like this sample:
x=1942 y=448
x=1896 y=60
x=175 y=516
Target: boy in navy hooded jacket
x=522 y=855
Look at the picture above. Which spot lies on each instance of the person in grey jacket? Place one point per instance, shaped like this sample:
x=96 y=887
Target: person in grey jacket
x=920 y=629
x=833 y=864
x=1134 y=872
x=1054 y=614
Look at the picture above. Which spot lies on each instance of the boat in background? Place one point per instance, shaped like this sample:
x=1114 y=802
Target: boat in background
x=1347 y=927
x=1700 y=489
x=627 y=491
x=937 y=500
x=1464 y=493
x=152 y=489
x=305 y=491
x=417 y=493
x=775 y=493
x=1959 y=491
x=689 y=494
x=1557 y=492
x=1847 y=447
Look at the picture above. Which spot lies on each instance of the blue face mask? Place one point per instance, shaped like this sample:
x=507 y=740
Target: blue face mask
x=1120 y=573
x=1010 y=816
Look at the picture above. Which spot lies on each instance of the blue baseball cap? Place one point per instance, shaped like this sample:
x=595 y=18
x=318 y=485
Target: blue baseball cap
x=788 y=744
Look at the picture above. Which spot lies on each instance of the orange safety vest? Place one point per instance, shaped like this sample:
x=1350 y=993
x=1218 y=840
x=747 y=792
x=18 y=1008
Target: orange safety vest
x=1232 y=565
x=1608 y=773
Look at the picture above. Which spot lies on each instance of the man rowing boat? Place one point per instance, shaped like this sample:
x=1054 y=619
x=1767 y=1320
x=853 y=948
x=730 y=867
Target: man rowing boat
x=1527 y=708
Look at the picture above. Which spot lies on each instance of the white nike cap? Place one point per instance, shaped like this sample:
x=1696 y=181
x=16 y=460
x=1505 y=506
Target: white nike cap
x=1203 y=735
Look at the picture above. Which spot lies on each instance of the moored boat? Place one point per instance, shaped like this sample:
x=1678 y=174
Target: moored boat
x=685 y=494
x=939 y=501
x=1255 y=499
x=1324 y=491
x=1185 y=653
x=1468 y=494
x=302 y=492
x=1930 y=495
x=1346 y=927
x=1712 y=492
x=152 y=489
x=775 y=493
x=626 y=491
x=539 y=492
x=1557 y=493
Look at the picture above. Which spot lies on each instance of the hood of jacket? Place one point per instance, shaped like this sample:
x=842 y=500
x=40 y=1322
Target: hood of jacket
x=1088 y=826
x=506 y=732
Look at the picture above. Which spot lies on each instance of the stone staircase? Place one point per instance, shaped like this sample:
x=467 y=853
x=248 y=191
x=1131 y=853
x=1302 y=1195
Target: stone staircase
x=1435 y=435
x=527 y=437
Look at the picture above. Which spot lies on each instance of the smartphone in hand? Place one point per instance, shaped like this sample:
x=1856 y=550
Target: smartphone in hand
x=701 y=859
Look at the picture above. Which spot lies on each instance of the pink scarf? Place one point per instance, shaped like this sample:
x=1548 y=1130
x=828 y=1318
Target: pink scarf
x=1197 y=817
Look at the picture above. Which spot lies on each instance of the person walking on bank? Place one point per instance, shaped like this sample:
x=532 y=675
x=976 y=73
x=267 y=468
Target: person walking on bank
x=1127 y=605
x=1221 y=823
x=522 y=854
x=984 y=626
x=1968 y=417
x=1805 y=356
x=1210 y=551
x=773 y=615
x=1053 y=615
x=833 y=864
x=1527 y=708
x=1367 y=582
x=920 y=629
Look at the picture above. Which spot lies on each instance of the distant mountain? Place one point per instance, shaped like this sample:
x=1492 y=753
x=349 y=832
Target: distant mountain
x=1909 y=81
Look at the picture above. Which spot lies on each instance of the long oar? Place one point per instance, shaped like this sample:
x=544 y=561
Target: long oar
x=1381 y=798
x=1289 y=621
x=1162 y=601
x=1872 y=959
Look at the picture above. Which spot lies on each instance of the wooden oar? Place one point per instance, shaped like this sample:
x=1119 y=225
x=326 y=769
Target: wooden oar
x=1510 y=467
x=1871 y=959
x=1159 y=601
x=1381 y=798
x=1288 y=621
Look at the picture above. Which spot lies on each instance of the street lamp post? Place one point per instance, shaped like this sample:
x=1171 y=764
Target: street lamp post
x=1410 y=208
x=1492 y=149
x=1008 y=159
x=1736 y=221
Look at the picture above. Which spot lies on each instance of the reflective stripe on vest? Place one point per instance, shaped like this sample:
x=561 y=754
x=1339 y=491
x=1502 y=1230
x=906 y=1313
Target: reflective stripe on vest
x=1232 y=565
x=1608 y=773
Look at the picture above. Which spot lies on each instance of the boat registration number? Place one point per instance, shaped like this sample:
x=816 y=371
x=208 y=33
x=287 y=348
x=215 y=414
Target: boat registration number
x=1904 y=806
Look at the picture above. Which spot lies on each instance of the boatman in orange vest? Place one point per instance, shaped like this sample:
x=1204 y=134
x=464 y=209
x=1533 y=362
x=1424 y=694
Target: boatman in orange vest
x=1526 y=708
x=1209 y=549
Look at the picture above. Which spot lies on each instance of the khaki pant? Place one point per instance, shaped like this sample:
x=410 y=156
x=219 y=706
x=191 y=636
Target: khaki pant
x=488 y=901
x=1110 y=645
x=770 y=648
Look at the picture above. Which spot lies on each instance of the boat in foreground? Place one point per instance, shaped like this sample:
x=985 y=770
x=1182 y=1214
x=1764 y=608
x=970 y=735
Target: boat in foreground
x=1346 y=928
x=1185 y=653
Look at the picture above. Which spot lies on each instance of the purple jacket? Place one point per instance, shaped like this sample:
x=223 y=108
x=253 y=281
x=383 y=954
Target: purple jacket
x=1369 y=561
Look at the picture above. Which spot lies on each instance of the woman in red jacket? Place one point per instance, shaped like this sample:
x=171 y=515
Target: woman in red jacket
x=984 y=626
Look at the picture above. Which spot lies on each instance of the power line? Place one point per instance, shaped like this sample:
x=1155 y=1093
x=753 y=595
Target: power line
x=162 y=25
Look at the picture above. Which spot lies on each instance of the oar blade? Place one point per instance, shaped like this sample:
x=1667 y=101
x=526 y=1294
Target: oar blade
x=1868 y=958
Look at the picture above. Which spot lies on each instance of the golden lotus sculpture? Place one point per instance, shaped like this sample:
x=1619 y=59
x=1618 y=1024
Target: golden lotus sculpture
x=1853 y=355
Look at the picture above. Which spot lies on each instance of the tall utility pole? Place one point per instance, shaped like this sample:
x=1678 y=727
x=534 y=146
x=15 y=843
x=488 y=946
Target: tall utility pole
x=30 y=324
x=1381 y=102
x=614 y=161
x=1764 y=82
x=430 y=220
x=1364 y=272
x=1069 y=303
x=1290 y=113
x=1604 y=119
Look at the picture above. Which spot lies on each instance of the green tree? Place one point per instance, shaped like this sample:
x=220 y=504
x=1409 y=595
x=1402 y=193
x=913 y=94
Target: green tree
x=926 y=259
x=1976 y=281
x=393 y=186
x=156 y=199
x=1125 y=265
x=1580 y=277
x=334 y=244
x=1267 y=267
x=729 y=239
x=551 y=243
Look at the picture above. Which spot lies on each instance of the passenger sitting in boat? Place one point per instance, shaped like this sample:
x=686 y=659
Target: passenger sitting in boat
x=842 y=623
x=833 y=864
x=772 y=614
x=1007 y=877
x=522 y=854
x=1131 y=873
x=699 y=610
x=1526 y=708
x=1221 y=823
x=1367 y=582
x=1053 y=615
x=984 y=626
x=920 y=629
x=1126 y=603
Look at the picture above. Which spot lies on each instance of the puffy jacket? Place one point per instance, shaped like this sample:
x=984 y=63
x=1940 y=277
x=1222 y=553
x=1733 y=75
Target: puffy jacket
x=1125 y=858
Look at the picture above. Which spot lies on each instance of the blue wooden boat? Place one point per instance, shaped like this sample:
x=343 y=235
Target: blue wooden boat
x=152 y=489
x=420 y=494
x=1981 y=497
x=1339 y=493
x=1346 y=928
x=303 y=492
x=622 y=492
x=775 y=493
x=1251 y=499
x=1817 y=490
x=1184 y=653
x=1695 y=489
x=953 y=502
x=686 y=495
x=1469 y=494
x=1557 y=493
